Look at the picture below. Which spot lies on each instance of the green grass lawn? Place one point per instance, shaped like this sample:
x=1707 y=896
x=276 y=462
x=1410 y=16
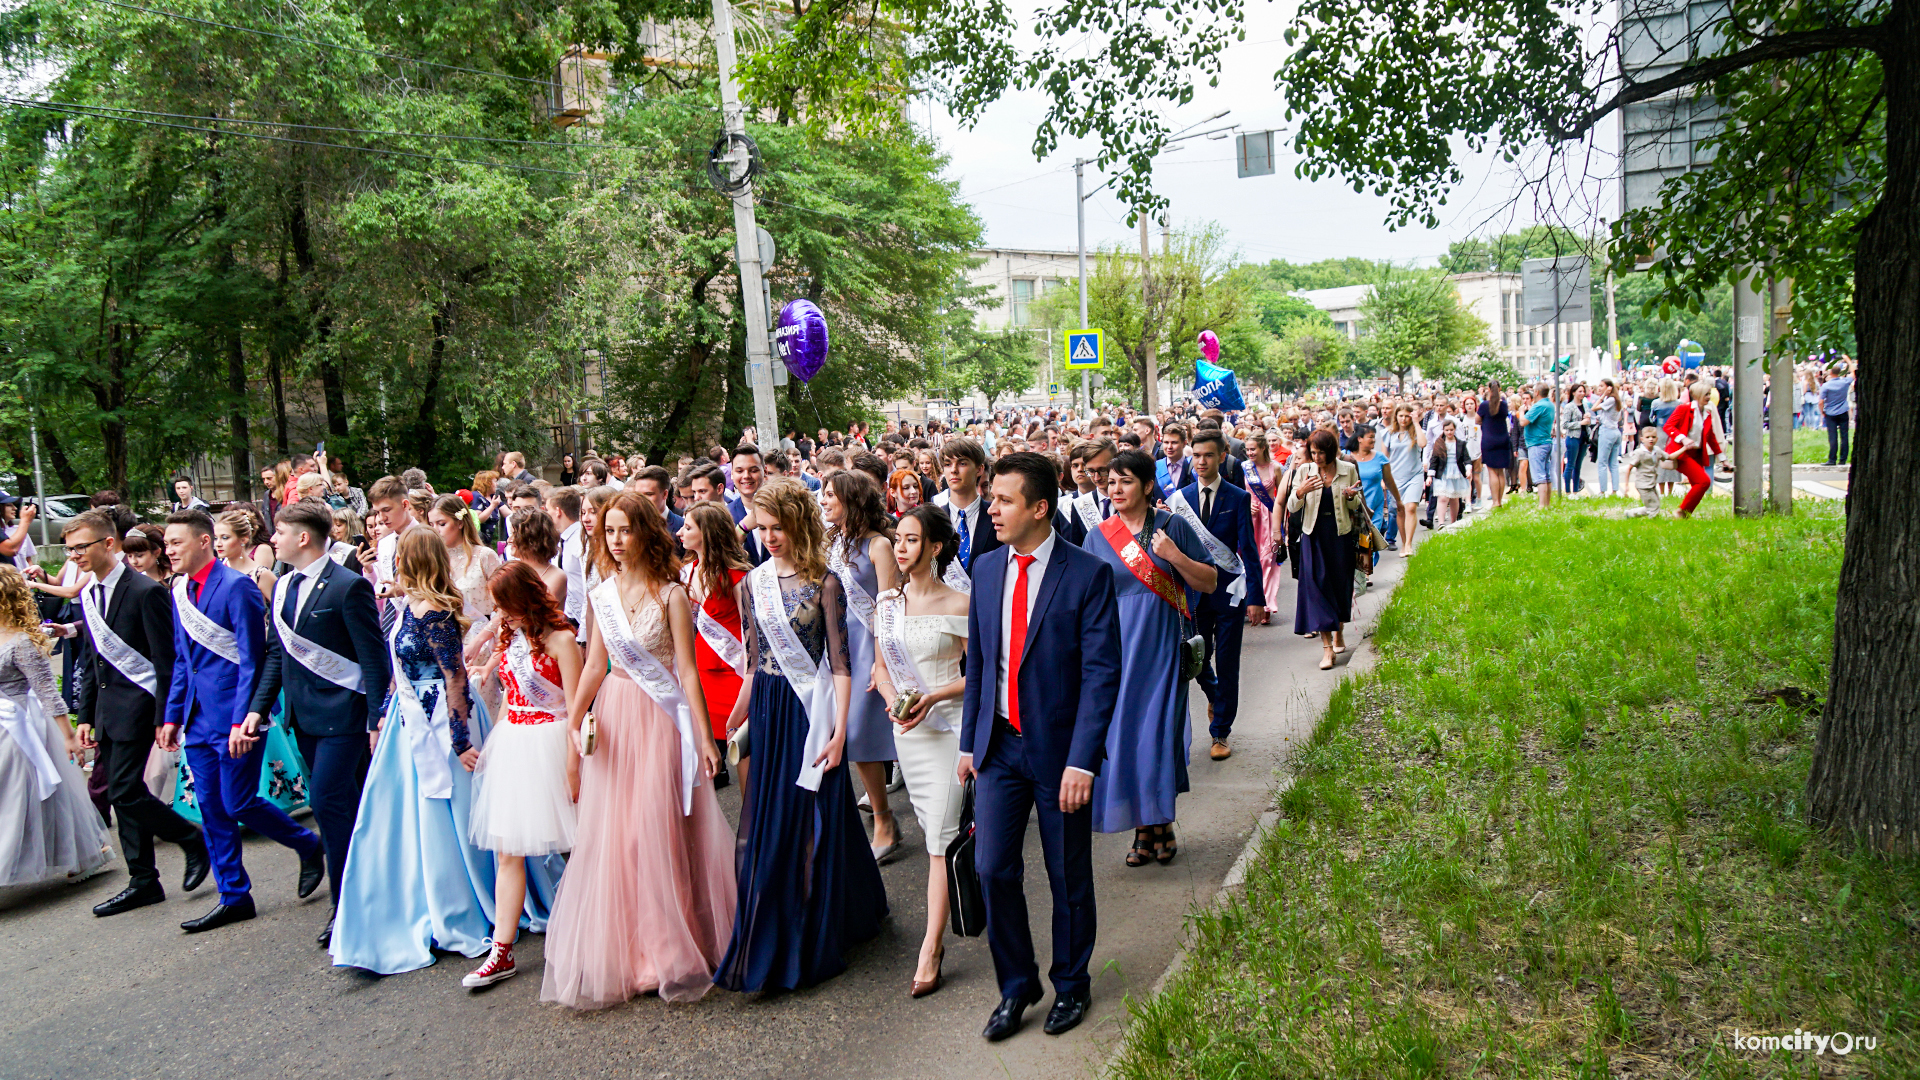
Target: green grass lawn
x=1559 y=831
x=1810 y=446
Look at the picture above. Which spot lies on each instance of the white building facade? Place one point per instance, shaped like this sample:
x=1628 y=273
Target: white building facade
x=1495 y=299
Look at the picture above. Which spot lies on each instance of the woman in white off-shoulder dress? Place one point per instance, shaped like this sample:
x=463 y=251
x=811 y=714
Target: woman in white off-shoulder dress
x=927 y=622
x=48 y=826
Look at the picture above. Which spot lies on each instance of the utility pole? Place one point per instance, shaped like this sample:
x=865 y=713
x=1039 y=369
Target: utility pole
x=1150 y=403
x=1748 y=352
x=1780 y=407
x=1080 y=213
x=746 y=235
x=39 y=479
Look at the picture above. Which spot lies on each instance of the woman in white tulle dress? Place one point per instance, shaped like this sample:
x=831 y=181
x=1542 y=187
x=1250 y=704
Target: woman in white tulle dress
x=48 y=826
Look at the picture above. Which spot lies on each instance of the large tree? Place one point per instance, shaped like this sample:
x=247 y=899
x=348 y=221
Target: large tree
x=1414 y=321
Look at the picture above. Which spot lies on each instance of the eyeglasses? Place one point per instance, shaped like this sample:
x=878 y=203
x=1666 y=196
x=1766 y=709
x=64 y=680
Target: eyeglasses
x=75 y=549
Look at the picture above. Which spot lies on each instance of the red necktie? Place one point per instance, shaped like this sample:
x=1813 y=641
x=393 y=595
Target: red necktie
x=1018 y=641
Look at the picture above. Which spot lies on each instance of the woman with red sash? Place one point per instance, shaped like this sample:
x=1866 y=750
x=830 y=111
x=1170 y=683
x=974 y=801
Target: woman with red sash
x=1156 y=559
x=716 y=561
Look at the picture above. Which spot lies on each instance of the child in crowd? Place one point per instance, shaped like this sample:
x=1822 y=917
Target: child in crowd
x=1643 y=466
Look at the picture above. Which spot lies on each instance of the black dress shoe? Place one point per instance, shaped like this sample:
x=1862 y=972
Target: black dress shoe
x=1067 y=1012
x=223 y=914
x=326 y=933
x=197 y=863
x=720 y=777
x=1006 y=1018
x=133 y=896
x=313 y=870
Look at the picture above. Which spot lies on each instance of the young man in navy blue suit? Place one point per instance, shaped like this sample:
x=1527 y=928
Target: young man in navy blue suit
x=219 y=640
x=335 y=675
x=1227 y=512
x=748 y=474
x=1035 y=734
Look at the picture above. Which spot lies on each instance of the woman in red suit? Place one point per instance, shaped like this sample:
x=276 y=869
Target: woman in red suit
x=716 y=561
x=1693 y=434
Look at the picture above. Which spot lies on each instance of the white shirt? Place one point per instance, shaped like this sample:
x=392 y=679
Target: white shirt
x=1201 y=494
x=974 y=513
x=305 y=579
x=383 y=558
x=573 y=559
x=106 y=585
x=1036 y=572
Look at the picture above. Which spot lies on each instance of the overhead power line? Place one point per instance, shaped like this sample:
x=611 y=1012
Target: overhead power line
x=96 y=114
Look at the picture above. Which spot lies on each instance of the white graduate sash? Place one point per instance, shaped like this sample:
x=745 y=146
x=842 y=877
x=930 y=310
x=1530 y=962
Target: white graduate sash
x=653 y=677
x=25 y=720
x=201 y=627
x=957 y=579
x=539 y=692
x=1087 y=505
x=859 y=600
x=338 y=552
x=888 y=630
x=316 y=658
x=138 y=669
x=721 y=640
x=812 y=682
x=1218 y=553
x=429 y=738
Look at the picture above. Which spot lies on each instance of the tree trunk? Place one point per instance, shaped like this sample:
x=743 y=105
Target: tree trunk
x=1865 y=779
x=275 y=380
x=332 y=386
x=426 y=436
x=57 y=457
x=237 y=433
x=110 y=397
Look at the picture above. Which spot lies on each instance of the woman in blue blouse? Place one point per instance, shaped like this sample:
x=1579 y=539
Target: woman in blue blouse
x=413 y=883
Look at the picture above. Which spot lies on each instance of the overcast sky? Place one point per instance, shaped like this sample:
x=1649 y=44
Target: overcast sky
x=1029 y=204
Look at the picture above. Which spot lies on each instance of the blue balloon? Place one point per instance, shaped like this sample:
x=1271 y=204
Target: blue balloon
x=800 y=339
x=1216 y=387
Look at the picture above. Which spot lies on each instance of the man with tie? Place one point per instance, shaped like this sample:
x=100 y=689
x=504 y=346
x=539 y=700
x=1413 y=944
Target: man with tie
x=325 y=649
x=749 y=472
x=1173 y=471
x=218 y=645
x=963 y=463
x=1226 y=513
x=125 y=671
x=1231 y=469
x=388 y=500
x=1090 y=505
x=563 y=506
x=1035 y=738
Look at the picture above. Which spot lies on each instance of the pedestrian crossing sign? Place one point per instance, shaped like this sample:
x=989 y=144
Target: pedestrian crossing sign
x=1083 y=350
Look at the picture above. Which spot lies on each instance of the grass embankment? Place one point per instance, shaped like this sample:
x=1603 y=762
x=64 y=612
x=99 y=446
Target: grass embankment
x=1810 y=446
x=1559 y=831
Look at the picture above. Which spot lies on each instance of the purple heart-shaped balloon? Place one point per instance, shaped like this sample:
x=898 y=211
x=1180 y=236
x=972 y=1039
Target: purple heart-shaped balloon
x=800 y=340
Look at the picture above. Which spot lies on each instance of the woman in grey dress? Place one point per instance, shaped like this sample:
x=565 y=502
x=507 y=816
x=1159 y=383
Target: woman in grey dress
x=860 y=554
x=48 y=826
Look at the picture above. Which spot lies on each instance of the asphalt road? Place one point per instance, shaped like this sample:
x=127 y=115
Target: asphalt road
x=132 y=996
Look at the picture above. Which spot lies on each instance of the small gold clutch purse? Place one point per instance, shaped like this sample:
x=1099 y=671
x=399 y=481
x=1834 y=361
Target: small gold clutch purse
x=903 y=704
x=589 y=735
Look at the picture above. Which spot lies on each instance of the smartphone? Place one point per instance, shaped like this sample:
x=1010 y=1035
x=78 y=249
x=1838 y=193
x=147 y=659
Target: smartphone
x=360 y=540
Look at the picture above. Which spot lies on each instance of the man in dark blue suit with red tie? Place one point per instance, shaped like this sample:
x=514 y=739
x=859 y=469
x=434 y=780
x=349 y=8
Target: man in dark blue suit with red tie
x=1035 y=734
x=1221 y=615
x=219 y=641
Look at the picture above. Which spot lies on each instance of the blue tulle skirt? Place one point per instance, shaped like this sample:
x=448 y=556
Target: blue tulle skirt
x=413 y=883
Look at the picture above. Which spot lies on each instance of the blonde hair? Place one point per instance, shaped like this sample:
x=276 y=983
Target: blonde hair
x=1669 y=390
x=792 y=505
x=420 y=563
x=17 y=609
x=309 y=483
x=240 y=523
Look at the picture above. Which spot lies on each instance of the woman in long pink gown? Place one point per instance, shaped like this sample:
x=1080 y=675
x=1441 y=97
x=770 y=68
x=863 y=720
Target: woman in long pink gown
x=648 y=898
x=1263 y=475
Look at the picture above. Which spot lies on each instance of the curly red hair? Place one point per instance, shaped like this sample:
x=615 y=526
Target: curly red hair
x=523 y=598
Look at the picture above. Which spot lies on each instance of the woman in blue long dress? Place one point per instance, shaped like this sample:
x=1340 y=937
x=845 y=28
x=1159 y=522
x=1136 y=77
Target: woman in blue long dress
x=860 y=540
x=1147 y=741
x=413 y=882
x=1376 y=480
x=1328 y=494
x=809 y=888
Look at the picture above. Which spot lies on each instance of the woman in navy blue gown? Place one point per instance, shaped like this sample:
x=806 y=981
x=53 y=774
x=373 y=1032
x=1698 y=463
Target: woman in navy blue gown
x=809 y=888
x=1327 y=493
x=1148 y=739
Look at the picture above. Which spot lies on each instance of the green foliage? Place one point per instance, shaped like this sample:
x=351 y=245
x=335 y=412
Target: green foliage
x=1285 y=277
x=997 y=365
x=1657 y=327
x=1475 y=370
x=1415 y=320
x=1506 y=252
x=1556 y=823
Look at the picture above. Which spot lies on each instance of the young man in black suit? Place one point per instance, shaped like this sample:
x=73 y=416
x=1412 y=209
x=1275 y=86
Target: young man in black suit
x=124 y=672
x=325 y=650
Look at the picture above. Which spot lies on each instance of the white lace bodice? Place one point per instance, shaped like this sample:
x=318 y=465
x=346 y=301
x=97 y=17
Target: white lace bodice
x=471 y=570
x=24 y=667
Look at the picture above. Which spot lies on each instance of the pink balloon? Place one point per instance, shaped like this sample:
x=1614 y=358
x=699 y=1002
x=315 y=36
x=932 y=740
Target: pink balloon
x=1210 y=346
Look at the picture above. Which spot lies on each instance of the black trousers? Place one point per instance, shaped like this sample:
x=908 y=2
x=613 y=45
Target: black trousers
x=142 y=817
x=1838 y=453
x=336 y=771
